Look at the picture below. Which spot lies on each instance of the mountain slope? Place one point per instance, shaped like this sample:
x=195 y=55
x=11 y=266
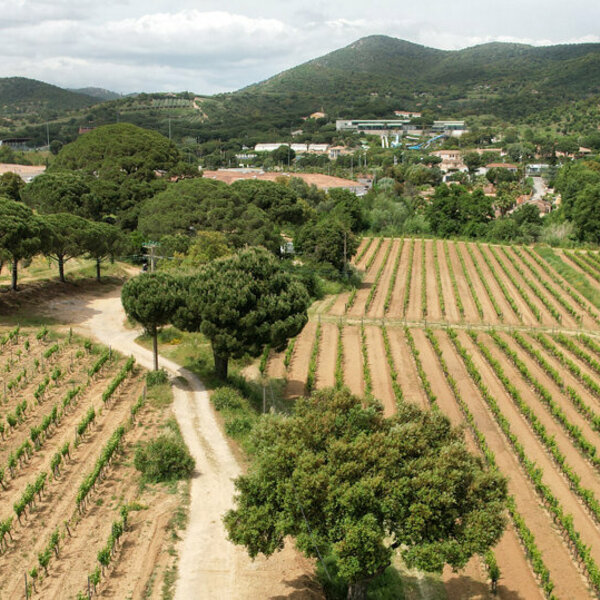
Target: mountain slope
x=21 y=96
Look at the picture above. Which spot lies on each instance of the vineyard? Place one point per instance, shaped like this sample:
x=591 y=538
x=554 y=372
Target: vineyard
x=498 y=340
x=72 y=516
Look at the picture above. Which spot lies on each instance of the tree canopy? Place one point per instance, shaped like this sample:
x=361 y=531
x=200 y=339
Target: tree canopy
x=241 y=303
x=345 y=481
x=22 y=234
x=150 y=299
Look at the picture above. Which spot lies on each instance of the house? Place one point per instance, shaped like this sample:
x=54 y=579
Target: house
x=318 y=148
x=336 y=151
x=509 y=166
x=451 y=160
x=318 y=115
x=407 y=114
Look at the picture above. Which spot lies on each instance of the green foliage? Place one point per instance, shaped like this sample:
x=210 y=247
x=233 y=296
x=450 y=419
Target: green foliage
x=165 y=458
x=242 y=303
x=156 y=377
x=326 y=466
x=226 y=398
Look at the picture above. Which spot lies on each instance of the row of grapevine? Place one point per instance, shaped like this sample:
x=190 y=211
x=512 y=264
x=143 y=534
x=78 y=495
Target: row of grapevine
x=484 y=282
x=556 y=295
x=339 y=358
x=581 y=354
x=311 y=377
x=374 y=255
x=423 y=281
x=119 y=378
x=457 y=298
x=580 y=441
x=532 y=551
x=469 y=281
x=438 y=279
x=584 y=266
x=564 y=520
x=380 y=271
x=365 y=249
x=391 y=365
x=420 y=370
x=365 y=362
x=507 y=295
x=394 y=275
x=527 y=538
x=562 y=284
x=408 y=279
x=534 y=288
x=289 y=352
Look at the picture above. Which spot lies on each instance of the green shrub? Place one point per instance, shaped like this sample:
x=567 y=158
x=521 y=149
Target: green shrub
x=165 y=458
x=238 y=426
x=226 y=398
x=156 y=377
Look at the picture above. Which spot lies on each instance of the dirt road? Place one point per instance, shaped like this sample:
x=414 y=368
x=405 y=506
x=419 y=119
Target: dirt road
x=209 y=565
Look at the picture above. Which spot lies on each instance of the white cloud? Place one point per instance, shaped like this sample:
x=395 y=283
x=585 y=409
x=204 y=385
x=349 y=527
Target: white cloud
x=145 y=45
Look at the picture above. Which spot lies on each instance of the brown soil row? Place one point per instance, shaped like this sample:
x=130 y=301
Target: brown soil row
x=380 y=373
x=406 y=369
x=377 y=309
x=451 y=308
x=327 y=355
x=363 y=242
x=353 y=361
x=471 y=314
x=358 y=308
x=414 y=312
x=58 y=503
x=298 y=369
x=397 y=297
x=363 y=261
x=434 y=312
x=489 y=313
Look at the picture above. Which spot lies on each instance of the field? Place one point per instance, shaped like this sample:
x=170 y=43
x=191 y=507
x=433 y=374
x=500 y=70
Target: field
x=497 y=339
x=72 y=511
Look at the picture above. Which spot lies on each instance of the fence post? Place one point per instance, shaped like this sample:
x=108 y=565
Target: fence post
x=26 y=588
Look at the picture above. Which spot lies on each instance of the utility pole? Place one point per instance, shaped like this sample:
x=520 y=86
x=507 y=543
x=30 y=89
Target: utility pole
x=169 y=127
x=151 y=246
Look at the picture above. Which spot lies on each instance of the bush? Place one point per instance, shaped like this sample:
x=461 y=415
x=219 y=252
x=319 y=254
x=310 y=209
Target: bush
x=238 y=426
x=226 y=398
x=156 y=377
x=165 y=458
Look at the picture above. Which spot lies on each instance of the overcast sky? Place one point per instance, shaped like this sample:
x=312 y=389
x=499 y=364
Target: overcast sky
x=209 y=46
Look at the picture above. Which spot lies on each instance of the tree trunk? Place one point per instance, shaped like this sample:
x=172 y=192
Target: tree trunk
x=14 y=275
x=61 y=269
x=358 y=590
x=155 y=347
x=98 y=270
x=221 y=363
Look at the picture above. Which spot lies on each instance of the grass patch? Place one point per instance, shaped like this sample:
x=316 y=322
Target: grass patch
x=578 y=280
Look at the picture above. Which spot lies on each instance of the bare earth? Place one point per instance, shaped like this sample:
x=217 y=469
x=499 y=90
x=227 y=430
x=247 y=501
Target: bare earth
x=209 y=565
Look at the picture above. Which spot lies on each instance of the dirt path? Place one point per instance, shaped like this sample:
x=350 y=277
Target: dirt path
x=327 y=355
x=377 y=306
x=380 y=373
x=353 y=371
x=209 y=565
x=567 y=579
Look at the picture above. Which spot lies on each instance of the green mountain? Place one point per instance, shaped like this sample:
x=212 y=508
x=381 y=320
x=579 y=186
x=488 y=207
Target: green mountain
x=97 y=93
x=20 y=96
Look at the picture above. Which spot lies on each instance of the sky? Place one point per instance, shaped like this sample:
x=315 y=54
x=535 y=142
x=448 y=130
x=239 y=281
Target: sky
x=210 y=46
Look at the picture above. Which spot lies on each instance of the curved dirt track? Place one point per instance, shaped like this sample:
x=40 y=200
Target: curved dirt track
x=209 y=565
